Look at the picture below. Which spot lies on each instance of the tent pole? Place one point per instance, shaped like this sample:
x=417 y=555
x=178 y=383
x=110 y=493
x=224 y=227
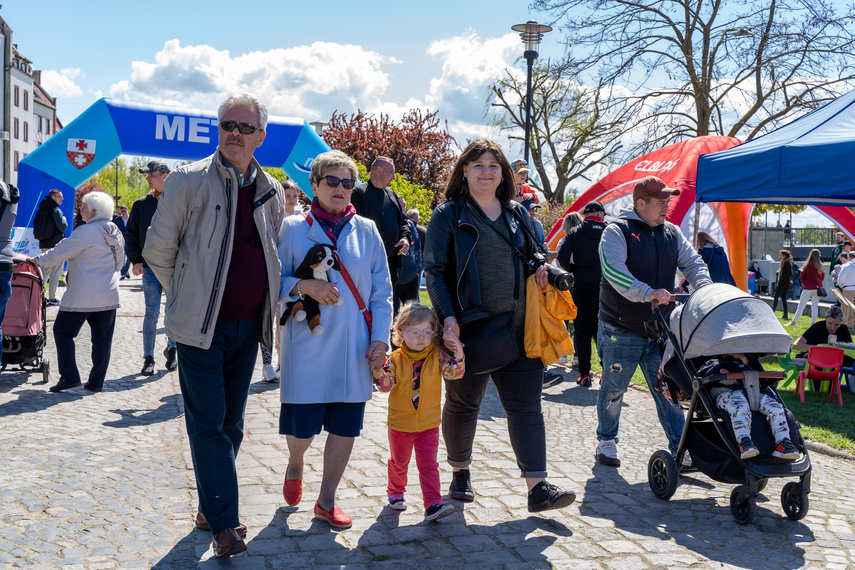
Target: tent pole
x=697 y=221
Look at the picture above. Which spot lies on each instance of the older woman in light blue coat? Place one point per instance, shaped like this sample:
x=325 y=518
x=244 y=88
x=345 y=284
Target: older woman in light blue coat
x=326 y=378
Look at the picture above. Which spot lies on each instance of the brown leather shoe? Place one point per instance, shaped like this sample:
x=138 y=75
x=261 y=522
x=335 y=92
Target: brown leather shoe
x=228 y=543
x=202 y=524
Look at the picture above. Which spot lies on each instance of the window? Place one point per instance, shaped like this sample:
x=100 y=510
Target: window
x=26 y=100
x=26 y=132
x=39 y=126
x=17 y=96
x=15 y=130
x=16 y=161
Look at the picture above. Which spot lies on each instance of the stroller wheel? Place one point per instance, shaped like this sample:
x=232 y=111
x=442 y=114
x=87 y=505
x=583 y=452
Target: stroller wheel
x=45 y=370
x=743 y=506
x=662 y=475
x=795 y=501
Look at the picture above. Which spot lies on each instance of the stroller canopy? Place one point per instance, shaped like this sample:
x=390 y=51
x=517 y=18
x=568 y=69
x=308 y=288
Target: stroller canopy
x=721 y=319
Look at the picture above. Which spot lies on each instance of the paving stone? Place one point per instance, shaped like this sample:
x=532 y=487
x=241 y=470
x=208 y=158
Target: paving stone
x=115 y=488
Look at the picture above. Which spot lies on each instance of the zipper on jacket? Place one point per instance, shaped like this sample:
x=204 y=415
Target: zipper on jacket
x=219 y=273
x=465 y=265
x=213 y=231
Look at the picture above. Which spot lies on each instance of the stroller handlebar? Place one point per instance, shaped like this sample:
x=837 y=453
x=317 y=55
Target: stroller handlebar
x=770 y=375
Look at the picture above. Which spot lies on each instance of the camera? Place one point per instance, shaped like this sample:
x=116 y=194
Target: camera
x=558 y=278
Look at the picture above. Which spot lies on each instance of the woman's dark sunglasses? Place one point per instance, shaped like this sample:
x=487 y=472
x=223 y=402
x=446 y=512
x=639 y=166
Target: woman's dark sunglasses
x=244 y=128
x=333 y=182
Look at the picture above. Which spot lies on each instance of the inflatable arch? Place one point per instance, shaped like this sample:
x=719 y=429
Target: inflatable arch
x=110 y=128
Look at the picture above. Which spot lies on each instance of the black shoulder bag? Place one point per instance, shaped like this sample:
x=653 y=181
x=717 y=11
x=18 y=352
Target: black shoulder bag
x=490 y=342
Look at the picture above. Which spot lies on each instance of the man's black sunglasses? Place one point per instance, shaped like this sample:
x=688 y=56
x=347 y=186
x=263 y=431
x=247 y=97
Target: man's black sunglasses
x=244 y=128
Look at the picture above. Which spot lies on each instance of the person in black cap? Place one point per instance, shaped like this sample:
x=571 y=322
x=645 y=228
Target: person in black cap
x=139 y=221
x=579 y=255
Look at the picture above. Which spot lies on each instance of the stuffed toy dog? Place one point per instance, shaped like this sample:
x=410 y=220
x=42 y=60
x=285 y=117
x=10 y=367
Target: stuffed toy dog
x=318 y=260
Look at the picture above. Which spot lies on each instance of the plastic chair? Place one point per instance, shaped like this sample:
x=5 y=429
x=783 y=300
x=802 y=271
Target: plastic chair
x=823 y=365
x=791 y=368
x=845 y=373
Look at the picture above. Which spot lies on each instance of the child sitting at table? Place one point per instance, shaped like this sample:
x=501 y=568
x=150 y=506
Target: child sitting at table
x=730 y=398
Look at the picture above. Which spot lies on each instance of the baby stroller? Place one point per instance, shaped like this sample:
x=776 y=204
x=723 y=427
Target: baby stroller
x=720 y=319
x=24 y=323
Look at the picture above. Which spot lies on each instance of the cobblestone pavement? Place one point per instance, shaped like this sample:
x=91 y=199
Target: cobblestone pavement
x=105 y=481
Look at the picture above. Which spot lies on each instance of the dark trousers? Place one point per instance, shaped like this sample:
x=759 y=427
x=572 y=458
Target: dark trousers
x=519 y=385
x=404 y=292
x=66 y=327
x=782 y=295
x=5 y=293
x=215 y=385
x=587 y=300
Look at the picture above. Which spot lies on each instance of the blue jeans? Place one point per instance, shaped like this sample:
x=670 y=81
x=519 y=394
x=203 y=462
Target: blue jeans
x=621 y=353
x=215 y=386
x=127 y=266
x=5 y=293
x=66 y=327
x=152 y=291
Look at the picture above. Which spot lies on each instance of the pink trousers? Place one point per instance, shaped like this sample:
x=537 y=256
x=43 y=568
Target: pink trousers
x=401 y=446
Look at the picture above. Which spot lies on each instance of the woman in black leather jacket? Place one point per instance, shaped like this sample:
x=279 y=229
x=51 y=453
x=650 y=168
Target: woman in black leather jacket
x=478 y=242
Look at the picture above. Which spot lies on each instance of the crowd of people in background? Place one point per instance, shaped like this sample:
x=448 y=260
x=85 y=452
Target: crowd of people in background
x=225 y=243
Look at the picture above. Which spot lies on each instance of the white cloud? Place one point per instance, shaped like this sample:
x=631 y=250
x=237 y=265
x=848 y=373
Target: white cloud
x=61 y=83
x=304 y=81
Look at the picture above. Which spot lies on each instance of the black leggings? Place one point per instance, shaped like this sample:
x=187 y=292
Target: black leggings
x=782 y=295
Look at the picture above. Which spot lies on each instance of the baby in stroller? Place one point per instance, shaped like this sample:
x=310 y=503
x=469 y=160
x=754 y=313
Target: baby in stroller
x=730 y=397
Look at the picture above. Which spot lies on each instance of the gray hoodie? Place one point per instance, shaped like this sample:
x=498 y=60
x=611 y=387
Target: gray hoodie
x=95 y=254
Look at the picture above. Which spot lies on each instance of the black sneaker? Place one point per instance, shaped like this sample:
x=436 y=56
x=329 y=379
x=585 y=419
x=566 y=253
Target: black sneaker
x=63 y=385
x=148 y=366
x=461 y=487
x=92 y=388
x=747 y=449
x=438 y=511
x=171 y=355
x=551 y=379
x=785 y=449
x=546 y=496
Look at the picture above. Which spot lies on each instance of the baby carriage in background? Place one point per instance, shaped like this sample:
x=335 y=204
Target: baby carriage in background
x=721 y=319
x=24 y=323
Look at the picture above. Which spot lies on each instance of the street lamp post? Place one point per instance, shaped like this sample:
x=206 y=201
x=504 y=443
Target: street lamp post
x=531 y=33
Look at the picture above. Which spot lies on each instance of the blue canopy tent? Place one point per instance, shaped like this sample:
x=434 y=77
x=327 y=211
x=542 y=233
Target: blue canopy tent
x=807 y=161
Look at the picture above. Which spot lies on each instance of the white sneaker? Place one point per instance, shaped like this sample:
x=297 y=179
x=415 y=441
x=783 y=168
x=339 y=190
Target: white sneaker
x=607 y=453
x=268 y=373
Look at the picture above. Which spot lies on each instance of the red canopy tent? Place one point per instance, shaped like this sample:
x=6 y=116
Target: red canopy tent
x=677 y=165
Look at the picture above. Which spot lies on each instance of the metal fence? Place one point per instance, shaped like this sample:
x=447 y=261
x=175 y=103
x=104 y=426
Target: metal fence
x=768 y=240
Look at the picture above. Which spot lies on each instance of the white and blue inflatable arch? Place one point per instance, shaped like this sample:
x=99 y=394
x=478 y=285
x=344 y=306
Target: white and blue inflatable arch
x=110 y=128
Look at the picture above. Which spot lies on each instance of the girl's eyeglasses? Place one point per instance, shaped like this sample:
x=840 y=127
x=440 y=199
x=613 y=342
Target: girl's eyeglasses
x=419 y=334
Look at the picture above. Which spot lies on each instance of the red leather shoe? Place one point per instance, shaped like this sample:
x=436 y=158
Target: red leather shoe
x=292 y=490
x=336 y=517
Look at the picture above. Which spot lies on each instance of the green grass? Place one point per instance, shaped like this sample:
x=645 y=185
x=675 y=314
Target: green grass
x=820 y=420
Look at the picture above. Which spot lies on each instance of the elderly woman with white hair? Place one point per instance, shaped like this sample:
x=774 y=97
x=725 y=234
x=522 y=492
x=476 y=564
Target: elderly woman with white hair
x=95 y=255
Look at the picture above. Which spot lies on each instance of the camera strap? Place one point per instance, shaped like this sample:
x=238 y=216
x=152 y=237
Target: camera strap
x=515 y=253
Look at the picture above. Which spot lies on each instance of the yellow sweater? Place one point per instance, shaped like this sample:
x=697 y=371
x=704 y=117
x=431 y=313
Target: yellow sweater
x=546 y=335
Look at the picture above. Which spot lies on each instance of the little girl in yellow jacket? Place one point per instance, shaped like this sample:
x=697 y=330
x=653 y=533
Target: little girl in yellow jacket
x=413 y=374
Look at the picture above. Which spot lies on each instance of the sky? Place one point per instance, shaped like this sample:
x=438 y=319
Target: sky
x=305 y=59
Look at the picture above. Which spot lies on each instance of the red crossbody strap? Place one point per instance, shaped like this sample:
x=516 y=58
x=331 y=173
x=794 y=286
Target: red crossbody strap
x=366 y=312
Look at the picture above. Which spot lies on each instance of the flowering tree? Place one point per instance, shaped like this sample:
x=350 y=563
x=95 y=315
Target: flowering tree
x=419 y=144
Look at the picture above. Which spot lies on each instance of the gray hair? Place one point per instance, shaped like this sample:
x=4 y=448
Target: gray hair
x=851 y=254
x=101 y=203
x=834 y=312
x=245 y=100
x=329 y=161
x=570 y=221
x=413 y=214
